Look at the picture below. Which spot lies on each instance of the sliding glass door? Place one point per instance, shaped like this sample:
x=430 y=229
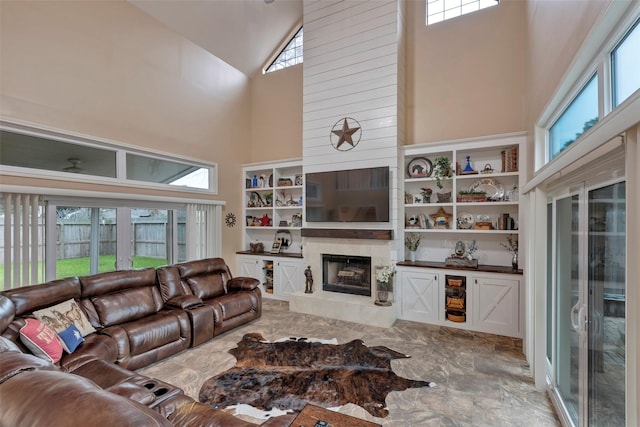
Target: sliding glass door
x=589 y=312
x=94 y=239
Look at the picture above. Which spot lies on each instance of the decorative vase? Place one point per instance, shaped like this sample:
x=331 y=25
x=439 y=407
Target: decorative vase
x=412 y=256
x=514 y=261
x=383 y=295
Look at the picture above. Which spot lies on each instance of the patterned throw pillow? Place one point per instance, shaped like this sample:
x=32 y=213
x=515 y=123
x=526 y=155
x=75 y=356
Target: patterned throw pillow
x=59 y=317
x=70 y=338
x=41 y=340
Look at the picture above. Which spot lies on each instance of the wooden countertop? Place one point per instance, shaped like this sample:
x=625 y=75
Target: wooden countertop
x=485 y=268
x=269 y=254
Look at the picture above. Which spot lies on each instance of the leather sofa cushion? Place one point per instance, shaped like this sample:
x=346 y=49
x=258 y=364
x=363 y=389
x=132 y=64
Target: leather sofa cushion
x=207 y=286
x=114 y=281
x=125 y=306
x=58 y=399
x=234 y=304
x=7 y=312
x=152 y=332
x=203 y=266
x=30 y=298
x=170 y=283
x=14 y=362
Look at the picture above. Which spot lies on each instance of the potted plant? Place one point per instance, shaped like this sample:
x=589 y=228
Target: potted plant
x=411 y=242
x=384 y=281
x=426 y=195
x=442 y=169
x=471 y=195
x=512 y=246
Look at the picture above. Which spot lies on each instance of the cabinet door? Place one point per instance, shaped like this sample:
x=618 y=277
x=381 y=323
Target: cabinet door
x=496 y=306
x=419 y=296
x=248 y=266
x=288 y=277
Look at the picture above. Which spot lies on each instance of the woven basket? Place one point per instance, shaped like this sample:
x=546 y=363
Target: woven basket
x=454 y=282
x=453 y=302
x=456 y=316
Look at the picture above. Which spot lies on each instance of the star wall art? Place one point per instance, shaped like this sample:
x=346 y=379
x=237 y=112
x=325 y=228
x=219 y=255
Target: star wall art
x=345 y=134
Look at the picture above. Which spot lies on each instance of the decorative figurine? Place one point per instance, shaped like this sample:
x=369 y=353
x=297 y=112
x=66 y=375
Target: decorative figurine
x=308 y=289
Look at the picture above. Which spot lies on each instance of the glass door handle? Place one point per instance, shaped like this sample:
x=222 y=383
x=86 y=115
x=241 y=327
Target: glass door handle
x=575 y=316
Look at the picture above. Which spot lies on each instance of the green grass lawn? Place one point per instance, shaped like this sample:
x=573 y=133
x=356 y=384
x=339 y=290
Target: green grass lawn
x=80 y=266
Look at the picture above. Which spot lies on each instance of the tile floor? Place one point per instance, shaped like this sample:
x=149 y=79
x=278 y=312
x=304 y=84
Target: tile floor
x=482 y=380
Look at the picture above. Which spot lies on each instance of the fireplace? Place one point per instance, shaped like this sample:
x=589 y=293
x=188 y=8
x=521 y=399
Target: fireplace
x=346 y=274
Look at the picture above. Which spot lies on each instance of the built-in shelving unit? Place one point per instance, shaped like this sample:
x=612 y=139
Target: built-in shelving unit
x=272 y=212
x=454 y=208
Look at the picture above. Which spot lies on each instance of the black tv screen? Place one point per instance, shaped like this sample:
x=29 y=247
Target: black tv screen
x=357 y=195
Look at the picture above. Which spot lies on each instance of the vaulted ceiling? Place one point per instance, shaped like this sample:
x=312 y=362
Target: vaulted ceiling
x=243 y=33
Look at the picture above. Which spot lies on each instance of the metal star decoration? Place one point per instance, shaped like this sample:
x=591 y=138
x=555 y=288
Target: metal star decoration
x=346 y=134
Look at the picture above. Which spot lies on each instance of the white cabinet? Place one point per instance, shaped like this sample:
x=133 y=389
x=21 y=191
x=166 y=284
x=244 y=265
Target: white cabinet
x=288 y=277
x=418 y=294
x=492 y=300
x=248 y=266
x=496 y=305
x=279 y=276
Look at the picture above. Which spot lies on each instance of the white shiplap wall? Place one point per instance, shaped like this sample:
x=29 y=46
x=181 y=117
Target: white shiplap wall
x=352 y=68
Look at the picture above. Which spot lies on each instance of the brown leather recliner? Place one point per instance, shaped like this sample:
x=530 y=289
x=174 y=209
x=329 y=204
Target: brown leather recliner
x=208 y=286
x=127 y=306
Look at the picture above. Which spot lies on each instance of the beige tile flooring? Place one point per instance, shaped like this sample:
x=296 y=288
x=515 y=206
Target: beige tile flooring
x=482 y=379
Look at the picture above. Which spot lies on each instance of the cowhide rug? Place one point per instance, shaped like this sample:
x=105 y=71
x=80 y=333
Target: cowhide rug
x=290 y=374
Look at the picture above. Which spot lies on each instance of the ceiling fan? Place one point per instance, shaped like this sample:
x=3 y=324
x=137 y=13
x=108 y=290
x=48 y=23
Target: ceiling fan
x=74 y=168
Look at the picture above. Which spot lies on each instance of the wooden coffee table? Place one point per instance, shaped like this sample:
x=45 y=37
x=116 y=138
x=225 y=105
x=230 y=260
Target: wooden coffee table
x=312 y=415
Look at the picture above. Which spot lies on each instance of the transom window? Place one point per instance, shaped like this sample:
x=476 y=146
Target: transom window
x=441 y=10
x=290 y=55
x=625 y=65
x=63 y=156
x=576 y=119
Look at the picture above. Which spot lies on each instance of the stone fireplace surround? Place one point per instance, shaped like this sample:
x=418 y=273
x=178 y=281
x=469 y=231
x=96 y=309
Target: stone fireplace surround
x=351 y=308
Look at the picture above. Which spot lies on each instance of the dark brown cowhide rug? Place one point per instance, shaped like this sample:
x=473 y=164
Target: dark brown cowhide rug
x=290 y=374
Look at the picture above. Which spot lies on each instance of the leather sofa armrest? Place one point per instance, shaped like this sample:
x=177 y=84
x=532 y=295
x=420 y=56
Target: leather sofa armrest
x=121 y=338
x=242 y=284
x=183 y=301
x=134 y=392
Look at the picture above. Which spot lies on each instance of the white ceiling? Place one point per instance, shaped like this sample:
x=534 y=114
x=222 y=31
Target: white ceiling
x=243 y=33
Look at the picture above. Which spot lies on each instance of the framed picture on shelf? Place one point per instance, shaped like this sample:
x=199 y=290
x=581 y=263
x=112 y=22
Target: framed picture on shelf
x=275 y=248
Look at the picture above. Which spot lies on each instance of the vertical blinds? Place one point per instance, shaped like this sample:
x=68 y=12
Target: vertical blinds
x=204 y=238
x=23 y=239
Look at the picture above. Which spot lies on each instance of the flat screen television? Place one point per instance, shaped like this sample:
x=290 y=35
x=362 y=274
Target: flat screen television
x=356 y=195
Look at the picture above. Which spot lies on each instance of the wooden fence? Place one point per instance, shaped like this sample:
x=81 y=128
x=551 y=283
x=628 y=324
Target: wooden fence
x=148 y=238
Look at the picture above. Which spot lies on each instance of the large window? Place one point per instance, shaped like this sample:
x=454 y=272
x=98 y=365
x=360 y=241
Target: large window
x=625 y=66
x=576 y=119
x=40 y=153
x=441 y=10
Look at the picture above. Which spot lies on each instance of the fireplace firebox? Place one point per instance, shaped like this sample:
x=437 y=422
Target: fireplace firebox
x=347 y=274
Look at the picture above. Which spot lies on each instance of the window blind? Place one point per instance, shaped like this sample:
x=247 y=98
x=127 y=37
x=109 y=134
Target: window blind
x=204 y=239
x=23 y=224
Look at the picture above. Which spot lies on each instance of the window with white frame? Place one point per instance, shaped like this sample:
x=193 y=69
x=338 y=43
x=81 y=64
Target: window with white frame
x=625 y=66
x=40 y=153
x=441 y=10
x=576 y=119
x=614 y=51
x=290 y=55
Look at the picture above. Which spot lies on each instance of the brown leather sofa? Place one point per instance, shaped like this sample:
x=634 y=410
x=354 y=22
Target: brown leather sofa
x=140 y=317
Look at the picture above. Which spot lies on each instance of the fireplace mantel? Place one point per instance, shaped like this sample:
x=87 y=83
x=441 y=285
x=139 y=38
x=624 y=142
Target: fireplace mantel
x=344 y=233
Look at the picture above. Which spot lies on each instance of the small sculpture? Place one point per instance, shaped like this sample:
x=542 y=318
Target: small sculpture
x=308 y=289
